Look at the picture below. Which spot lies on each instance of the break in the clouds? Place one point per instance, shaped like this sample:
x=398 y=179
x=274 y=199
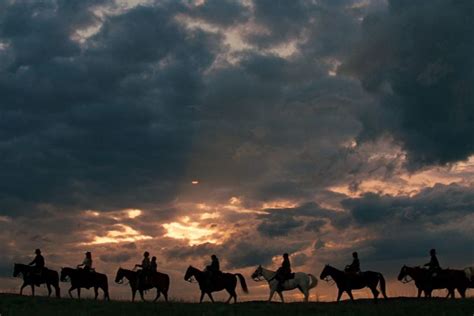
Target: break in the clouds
x=242 y=128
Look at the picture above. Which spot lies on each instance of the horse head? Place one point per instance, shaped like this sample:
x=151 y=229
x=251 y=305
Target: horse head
x=189 y=273
x=403 y=273
x=16 y=270
x=257 y=274
x=119 y=276
x=64 y=274
x=326 y=272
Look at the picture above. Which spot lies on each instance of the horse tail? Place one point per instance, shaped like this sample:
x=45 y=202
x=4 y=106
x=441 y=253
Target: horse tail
x=243 y=284
x=314 y=281
x=382 y=285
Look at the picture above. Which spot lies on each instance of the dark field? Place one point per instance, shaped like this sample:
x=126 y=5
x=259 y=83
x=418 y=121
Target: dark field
x=11 y=305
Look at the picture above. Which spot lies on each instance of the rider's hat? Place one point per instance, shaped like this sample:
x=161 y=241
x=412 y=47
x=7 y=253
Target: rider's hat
x=88 y=253
x=146 y=254
x=355 y=254
x=214 y=257
x=38 y=251
x=432 y=251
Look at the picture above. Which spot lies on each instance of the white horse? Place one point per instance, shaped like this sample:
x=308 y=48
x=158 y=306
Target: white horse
x=302 y=281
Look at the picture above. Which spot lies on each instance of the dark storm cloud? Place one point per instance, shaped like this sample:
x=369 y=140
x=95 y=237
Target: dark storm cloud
x=86 y=124
x=116 y=258
x=417 y=58
x=223 y=13
x=435 y=205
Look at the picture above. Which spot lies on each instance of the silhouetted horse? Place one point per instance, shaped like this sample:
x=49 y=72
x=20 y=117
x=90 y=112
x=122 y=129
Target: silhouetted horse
x=347 y=282
x=48 y=277
x=445 y=279
x=159 y=281
x=225 y=281
x=85 y=279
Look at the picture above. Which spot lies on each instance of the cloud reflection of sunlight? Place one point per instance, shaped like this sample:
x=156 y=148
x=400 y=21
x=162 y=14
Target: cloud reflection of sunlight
x=123 y=233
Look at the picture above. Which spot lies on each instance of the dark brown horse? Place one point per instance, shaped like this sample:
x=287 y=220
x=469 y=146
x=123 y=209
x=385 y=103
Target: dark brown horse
x=225 y=281
x=31 y=278
x=425 y=281
x=347 y=282
x=85 y=279
x=159 y=281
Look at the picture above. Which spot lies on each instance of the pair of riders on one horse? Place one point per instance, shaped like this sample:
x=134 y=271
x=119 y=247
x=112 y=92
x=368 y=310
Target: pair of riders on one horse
x=148 y=268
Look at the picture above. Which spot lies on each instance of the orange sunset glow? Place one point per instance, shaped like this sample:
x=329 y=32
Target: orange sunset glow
x=297 y=145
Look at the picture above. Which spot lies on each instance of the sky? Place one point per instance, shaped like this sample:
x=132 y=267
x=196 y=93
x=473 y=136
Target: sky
x=244 y=129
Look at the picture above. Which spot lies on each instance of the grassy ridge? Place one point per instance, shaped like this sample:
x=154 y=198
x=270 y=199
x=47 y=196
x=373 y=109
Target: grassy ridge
x=14 y=305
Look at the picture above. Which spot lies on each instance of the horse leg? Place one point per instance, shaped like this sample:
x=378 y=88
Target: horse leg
x=339 y=294
x=210 y=296
x=70 y=291
x=96 y=292
x=157 y=295
x=375 y=293
x=202 y=297
x=165 y=295
x=22 y=287
x=33 y=289
x=48 y=286
x=141 y=294
x=79 y=293
x=419 y=292
x=272 y=291
x=281 y=296
x=349 y=292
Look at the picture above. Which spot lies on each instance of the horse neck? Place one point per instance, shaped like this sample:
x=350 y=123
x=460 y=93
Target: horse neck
x=268 y=274
x=129 y=274
x=198 y=274
x=334 y=273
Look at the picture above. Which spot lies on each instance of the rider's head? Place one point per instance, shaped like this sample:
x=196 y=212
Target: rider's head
x=354 y=254
x=37 y=251
x=285 y=255
x=153 y=258
x=213 y=257
x=146 y=254
x=432 y=252
x=88 y=254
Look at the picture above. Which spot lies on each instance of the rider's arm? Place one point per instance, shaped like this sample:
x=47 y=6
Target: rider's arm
x=32 y=262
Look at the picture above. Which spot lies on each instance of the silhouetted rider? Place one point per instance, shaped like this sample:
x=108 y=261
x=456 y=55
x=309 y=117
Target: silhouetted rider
x=354 y=267
x=86 y=264
x=213 y=270
x=433 y=265
x=214 y=267
x=284 y=272
x=38 y=263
